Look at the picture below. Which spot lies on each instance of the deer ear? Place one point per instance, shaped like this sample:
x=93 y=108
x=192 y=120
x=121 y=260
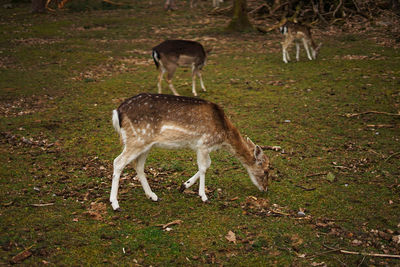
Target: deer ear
x=209 y=50
x=250 y=142
x=259 y=154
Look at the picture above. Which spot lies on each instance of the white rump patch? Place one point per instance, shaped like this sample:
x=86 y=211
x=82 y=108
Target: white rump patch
x=115 y=121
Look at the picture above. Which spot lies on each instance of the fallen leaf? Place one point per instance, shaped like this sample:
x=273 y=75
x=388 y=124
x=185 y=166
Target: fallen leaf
x=231 y=237
x=396 y=239
x=21 y=256
x=96 y=210
x=318 y=264
x=330 y=177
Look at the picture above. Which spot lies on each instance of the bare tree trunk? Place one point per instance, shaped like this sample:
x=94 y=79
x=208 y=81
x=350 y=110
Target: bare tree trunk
x=395 y=6
x=240 y=20
x=169 y=5
x=38 y=6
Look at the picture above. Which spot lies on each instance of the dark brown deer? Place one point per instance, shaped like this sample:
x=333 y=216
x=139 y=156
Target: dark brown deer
x=294 y=32
x=171 y=54
x=153 y=120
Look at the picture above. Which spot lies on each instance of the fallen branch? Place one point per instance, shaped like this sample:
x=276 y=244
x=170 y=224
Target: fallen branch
x=21 y=256
x=305 y=188
x=274 y=148
x=337 y=8
x=316 y=174
x=221 y=11
x=362 y=253
x=259 y=9
x=164 y=226
x=279 y=212
x=42 y=205
x=381 y=125
x=394 y=154
x=349 y=115
x=115 y=3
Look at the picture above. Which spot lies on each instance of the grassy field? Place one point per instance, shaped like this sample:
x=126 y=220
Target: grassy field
x=61 y=75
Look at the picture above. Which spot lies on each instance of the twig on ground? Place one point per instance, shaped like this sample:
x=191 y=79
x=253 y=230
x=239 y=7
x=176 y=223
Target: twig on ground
x=341 y=167
x=279 y=212
x=350 y=115
x=322 y=253
x=361 y=261
x=274 y=148
x=394 y=154
x=305 y=188
x=42 y=205
x=115 y=3
x=21 y=256
x=381 y=125
x=363 y=253
x=316 y=174
x=164 y=226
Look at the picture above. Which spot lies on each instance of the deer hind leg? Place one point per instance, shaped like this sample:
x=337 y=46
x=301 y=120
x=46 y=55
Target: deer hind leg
x=119 y=164
x=306 y=47
x=160 y=78
x=194 y=72
x=139 y=166
x=204 y=162
x=171 y=71
x=284 y=54
x=201 y=80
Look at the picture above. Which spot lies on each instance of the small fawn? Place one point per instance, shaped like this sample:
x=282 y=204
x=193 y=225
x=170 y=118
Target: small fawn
x=154 y=120
x=171 y=54
x=294 y=32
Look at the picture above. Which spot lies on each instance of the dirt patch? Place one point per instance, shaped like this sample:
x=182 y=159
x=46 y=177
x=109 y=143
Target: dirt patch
x=36 y=41
x=24 y=106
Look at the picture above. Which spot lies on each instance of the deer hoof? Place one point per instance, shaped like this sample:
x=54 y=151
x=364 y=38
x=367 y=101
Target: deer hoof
x=115 y=205
x=153 y=197
x=182 y=188
x=204 y=199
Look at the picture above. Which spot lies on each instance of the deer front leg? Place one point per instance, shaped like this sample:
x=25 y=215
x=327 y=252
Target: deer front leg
x=190 y=182
x=284 y=55
x=297 y=51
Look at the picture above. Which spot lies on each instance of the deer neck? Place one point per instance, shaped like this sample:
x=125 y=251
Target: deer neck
x=238 y=146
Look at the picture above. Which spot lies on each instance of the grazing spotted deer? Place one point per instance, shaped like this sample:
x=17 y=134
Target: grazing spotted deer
x=171 y=54
x=294 y=32
x=154 y=120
